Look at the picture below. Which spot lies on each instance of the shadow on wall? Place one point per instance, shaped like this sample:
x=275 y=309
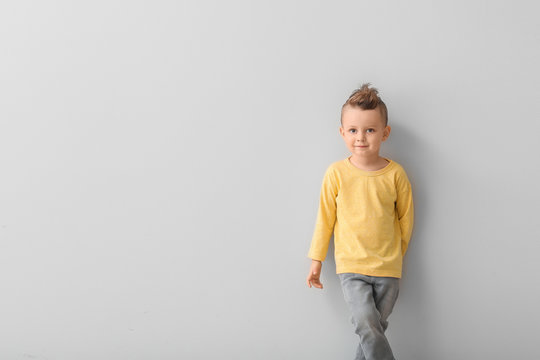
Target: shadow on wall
x=413 y=325
x=417 y=325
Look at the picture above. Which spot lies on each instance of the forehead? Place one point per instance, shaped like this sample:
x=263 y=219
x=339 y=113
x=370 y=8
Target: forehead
x=357 y=117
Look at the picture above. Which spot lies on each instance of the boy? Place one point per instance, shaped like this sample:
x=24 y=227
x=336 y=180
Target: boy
x=366 y=202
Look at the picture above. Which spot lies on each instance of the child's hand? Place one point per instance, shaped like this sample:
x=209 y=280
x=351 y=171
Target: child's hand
x=314 y=274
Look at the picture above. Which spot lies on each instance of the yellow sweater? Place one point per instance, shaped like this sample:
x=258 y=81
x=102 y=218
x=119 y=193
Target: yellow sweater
x=371 y=216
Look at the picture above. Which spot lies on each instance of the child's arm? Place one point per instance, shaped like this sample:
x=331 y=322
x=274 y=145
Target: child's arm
x=326 y=217
x=405 y=209
x=324 y=227
x=314 y=274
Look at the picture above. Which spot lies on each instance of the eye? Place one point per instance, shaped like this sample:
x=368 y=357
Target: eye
x=352 y=130
x=370 y=130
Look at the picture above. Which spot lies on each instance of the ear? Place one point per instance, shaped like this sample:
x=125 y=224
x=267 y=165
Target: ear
x=341 y=131
x=386 y=132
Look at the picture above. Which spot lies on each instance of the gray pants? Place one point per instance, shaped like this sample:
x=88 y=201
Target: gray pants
x=370 y=300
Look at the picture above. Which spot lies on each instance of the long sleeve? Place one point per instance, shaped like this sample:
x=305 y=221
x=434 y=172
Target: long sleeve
x=405 y=209
x=326 y=216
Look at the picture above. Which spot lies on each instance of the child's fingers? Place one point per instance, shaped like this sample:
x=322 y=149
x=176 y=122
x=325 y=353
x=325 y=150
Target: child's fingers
x=315 y=282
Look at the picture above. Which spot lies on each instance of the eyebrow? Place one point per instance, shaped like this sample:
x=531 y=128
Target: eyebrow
x=354 y=127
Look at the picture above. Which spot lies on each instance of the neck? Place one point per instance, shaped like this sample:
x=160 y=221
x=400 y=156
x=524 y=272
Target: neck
x=369 y=163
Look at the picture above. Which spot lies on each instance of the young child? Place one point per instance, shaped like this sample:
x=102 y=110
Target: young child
x=366 y=202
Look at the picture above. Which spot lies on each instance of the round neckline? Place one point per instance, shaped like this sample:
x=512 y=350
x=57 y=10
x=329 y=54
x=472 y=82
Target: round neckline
x=368 y=172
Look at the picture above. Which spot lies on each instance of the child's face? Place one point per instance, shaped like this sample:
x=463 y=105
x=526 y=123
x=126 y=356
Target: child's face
x=363 y=131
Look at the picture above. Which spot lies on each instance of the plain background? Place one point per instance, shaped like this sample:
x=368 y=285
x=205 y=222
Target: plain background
x=161 y=163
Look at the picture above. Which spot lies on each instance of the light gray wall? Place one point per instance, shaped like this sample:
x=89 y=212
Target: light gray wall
x=161 y=163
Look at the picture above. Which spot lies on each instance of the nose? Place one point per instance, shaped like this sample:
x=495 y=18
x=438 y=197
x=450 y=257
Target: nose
x=361 y=137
